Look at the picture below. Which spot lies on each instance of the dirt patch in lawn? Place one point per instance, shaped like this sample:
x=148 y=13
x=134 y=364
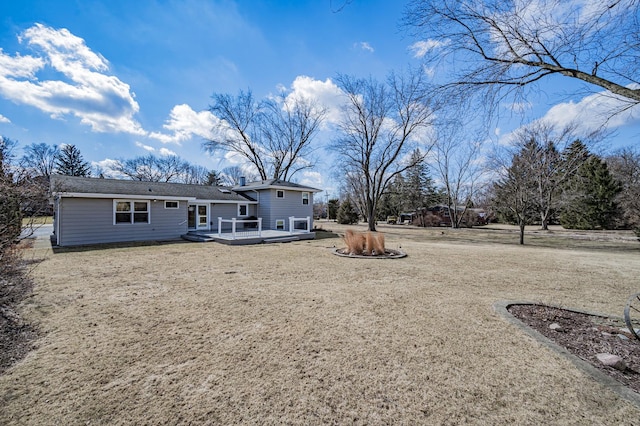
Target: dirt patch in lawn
x=292 y=334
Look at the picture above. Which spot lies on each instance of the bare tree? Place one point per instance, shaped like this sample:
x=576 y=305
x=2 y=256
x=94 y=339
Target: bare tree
x=378 y=129
x=39 y=160
x=231 y=175
x=150 y=168
x=625 y=167
x=196 y=175
x=551 y=166
x=275 y=135
x=503 y=46
x=514 y=192
x=458 y=163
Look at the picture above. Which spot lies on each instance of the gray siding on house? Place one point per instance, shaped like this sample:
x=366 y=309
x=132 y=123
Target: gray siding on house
x=274 y=208
x=90 y=221
x=264 y=210
x=227 y=212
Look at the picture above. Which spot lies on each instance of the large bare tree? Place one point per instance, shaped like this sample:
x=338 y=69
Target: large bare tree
x=274 y=135
x=625 y=167
x=503 y=46
x=169 y=168
x=458 y=163
x=380 y=125
x=39 y=160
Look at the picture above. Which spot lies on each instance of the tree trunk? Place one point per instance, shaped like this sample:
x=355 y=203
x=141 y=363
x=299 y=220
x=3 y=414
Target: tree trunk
x=371 y=219
x=522 y=234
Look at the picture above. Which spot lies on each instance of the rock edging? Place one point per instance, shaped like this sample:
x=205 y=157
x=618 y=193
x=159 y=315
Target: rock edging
x=501 y=307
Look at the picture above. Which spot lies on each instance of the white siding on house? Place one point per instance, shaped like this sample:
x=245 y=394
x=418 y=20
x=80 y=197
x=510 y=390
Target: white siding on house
x=90 y=221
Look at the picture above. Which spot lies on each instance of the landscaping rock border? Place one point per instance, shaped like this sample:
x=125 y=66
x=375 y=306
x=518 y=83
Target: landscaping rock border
x=389 y=254
x=501 y=307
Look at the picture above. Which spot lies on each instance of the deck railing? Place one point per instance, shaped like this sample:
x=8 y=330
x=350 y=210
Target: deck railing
x=244 y=231
x=293 y=220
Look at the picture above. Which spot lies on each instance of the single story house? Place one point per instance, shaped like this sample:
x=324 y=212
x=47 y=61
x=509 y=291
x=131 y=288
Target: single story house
x=96 y=210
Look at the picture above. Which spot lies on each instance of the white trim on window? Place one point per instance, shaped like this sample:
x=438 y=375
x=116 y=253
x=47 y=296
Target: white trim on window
x=279 y=193
x=246 y=210
x=305 y=198
x=279 y=224
x=168 y=204
x=131 y=212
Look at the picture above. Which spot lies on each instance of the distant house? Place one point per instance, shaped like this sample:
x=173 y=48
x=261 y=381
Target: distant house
x=438 y=215
x=93 y=210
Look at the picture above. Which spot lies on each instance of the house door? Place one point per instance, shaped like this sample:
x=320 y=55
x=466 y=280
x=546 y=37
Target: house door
x=198 y=216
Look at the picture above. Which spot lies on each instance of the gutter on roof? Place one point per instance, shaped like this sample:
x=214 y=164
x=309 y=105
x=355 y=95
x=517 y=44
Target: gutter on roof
x=122 y=196
x=224 y=201
x=288 y=188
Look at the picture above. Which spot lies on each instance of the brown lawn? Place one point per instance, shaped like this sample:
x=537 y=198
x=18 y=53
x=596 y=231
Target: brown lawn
x=201 y=333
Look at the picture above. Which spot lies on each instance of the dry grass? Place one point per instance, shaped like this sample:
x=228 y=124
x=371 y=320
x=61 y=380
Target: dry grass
x=290 y=333
x=355 y=242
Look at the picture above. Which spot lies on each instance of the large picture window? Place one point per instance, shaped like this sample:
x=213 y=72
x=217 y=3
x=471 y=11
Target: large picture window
x=126 y=211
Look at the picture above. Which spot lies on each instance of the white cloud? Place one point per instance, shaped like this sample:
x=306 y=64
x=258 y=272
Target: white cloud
x=99 y=100
x=326 y=93
x=184 y=123
x=166 y=152
x=311 y=178
x=421 y=48
x=234 y=159
x=108 y=168
x=593 y=112
x=4 y=119
x=145 y=147
x=364 y=46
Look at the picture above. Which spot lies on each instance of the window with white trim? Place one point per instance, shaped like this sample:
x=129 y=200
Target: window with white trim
x=171 y=205
x=305 y=198
x=243 y=210
x=130 y=211
x=280 y=224
x=279 y=193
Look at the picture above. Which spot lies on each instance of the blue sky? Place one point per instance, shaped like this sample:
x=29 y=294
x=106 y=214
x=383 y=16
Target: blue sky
x=120 y=79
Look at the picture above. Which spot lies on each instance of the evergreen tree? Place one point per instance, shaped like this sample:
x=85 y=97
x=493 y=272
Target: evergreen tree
x=392 y=201
x=419 y=190
x=69 y=162
x=593 y=205
x=332 y=208
x=347 y=214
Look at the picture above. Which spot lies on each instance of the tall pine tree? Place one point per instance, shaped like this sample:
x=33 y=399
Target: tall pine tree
x=69 y=162
x=593 y=204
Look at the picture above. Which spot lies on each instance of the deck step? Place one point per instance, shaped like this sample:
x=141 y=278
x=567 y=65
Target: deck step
x=280 y=240
x=196 y=238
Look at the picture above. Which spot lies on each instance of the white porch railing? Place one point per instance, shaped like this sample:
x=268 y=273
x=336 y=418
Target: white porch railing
x=293 y=220
x=243 y=233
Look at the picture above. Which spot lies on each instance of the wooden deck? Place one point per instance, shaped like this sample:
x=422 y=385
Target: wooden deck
x=249 y=237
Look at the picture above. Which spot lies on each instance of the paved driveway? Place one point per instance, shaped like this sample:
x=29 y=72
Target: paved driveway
x=41 y=234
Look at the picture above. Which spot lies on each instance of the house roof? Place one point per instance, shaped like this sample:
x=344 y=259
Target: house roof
x=274 y=184
x=81 y=186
